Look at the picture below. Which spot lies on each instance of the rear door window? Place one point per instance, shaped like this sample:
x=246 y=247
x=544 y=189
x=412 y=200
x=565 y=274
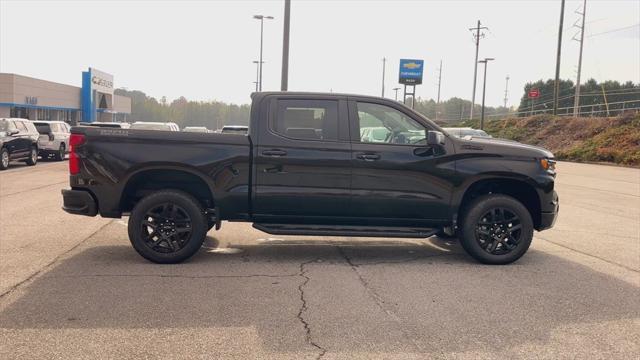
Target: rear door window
x=307 y=120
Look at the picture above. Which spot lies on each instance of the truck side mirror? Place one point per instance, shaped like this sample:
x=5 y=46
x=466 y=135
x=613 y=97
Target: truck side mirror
x=435 y=138
x=12 y=132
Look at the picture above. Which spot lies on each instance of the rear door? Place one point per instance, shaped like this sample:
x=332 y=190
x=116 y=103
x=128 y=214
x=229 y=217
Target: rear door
x=397 y=178
x=303 y=159
x=23 y=140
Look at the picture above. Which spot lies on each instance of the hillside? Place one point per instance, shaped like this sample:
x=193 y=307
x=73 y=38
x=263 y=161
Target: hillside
x=615 y=140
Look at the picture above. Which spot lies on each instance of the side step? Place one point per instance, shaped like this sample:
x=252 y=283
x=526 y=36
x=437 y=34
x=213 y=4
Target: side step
x=346 y=230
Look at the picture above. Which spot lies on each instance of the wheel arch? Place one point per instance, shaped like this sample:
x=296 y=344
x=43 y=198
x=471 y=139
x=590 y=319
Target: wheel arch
x=150 y=179
x=519 y=188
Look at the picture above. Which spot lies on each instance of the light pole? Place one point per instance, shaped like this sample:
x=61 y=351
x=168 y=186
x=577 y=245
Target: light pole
x=257 y=73
x=484 y=89
x=396 y=90
x=261 y=18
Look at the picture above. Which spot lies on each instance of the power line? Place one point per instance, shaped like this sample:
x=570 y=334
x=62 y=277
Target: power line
x=614 y=30
x=576 y=104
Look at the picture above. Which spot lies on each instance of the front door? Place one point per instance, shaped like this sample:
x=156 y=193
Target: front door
x=303 y=161
x=397 y=179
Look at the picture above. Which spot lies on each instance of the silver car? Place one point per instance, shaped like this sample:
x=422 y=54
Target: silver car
x=54 y=139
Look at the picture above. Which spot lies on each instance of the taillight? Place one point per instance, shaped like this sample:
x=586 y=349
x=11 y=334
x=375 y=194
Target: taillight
x=74 y=160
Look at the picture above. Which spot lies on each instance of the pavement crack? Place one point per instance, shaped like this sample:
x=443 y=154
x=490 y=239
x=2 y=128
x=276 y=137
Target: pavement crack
x=35 y=188
x=48 y=265
x=303 y=308
x=174 y=276
x=378 y=300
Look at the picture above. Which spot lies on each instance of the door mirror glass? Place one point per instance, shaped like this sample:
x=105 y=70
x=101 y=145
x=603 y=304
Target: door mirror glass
x=435 y=138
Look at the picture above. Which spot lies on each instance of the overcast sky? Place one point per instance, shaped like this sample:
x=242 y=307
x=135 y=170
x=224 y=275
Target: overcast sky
x=203 y=50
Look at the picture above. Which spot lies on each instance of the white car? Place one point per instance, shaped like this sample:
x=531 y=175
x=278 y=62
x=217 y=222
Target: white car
x=53 y=139
x=234 y=129
x=200 y=129
x=148 y=125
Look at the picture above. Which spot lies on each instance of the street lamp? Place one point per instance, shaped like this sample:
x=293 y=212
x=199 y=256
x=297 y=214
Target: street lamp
x=484 y=89
x=257 y=73
x=396 y=90
x=261 y=18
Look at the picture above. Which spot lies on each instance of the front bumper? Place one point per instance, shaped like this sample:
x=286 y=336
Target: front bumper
x=548 y=218
x=79 y=202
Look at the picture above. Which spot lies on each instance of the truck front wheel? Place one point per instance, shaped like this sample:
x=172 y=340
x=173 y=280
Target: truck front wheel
x=496 y=229
x=167 y=227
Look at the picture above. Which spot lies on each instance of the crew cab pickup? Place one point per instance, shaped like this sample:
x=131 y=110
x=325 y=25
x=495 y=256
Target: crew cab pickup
x=304 y=168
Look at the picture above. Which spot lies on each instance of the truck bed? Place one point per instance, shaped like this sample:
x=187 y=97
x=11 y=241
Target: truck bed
x=110 y=158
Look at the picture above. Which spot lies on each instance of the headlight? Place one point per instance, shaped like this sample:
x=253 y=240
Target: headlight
x=548 y=164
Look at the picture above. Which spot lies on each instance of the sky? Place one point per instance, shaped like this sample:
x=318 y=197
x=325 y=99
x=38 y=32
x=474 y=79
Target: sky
x=204 y=50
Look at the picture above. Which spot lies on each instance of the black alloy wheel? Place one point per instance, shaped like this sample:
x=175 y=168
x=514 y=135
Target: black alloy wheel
x=166 y=228
x=499 y=231
x=496 y=229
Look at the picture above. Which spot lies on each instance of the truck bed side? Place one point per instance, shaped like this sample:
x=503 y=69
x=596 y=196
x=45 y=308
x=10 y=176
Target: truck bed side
x=118 y=165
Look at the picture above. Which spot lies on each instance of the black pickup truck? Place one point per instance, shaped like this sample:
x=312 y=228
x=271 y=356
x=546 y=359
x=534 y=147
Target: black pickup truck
x=315 y=164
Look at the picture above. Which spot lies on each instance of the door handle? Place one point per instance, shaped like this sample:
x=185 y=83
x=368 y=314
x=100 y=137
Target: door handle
x=274 y=152
x=368 y=157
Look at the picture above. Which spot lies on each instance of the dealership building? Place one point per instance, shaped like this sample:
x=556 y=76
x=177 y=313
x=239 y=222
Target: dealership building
x=36 y=99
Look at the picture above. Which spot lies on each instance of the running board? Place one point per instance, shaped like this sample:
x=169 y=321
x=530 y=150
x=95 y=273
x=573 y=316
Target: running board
x=346 y=230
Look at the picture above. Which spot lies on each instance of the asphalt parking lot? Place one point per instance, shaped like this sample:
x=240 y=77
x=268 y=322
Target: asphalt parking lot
x=72 y=287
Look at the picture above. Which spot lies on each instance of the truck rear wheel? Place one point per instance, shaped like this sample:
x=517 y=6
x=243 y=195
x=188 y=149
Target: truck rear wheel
x=167 y=227
x=497 y=229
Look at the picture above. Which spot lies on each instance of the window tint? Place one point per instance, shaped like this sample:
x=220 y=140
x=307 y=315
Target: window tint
x=307 y=119
x=383 y=124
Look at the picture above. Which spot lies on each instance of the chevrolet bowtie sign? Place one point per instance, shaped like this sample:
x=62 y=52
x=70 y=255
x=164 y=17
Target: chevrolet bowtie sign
x=411 y=71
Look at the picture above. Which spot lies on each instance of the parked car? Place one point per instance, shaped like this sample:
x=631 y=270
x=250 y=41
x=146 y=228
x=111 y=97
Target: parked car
x=118 y=125
x=466 y=131
x=304 y=170
x=374 y=134
x=200 y=129
x=148 y=125
x=234 y=129
x=53 y=139
x=18 y=142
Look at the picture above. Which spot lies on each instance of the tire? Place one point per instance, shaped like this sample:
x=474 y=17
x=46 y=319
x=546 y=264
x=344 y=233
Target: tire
x=33 y=156
x=492 y=243
x=170 y=245
x=4 y=159
x=61 y=153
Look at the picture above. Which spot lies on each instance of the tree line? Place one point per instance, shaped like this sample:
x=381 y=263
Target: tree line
x=592 y=97
x=212 y=114
x=215 y=114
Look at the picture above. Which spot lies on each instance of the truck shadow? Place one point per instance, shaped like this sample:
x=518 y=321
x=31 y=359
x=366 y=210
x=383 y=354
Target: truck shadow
x=432 y=288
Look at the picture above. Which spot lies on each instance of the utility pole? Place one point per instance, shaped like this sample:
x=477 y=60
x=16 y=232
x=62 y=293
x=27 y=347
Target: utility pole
x=576 y=102
x=396 y=90
x=477 y=36
x=284 y=81
x=439 y=83
x=556 y=85
x=484 y=89
x=384 y=63
x=506 y=92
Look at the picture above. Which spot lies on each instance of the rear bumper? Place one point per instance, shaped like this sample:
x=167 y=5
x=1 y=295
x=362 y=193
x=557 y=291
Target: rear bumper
x=79 y=202
x=548 y=218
